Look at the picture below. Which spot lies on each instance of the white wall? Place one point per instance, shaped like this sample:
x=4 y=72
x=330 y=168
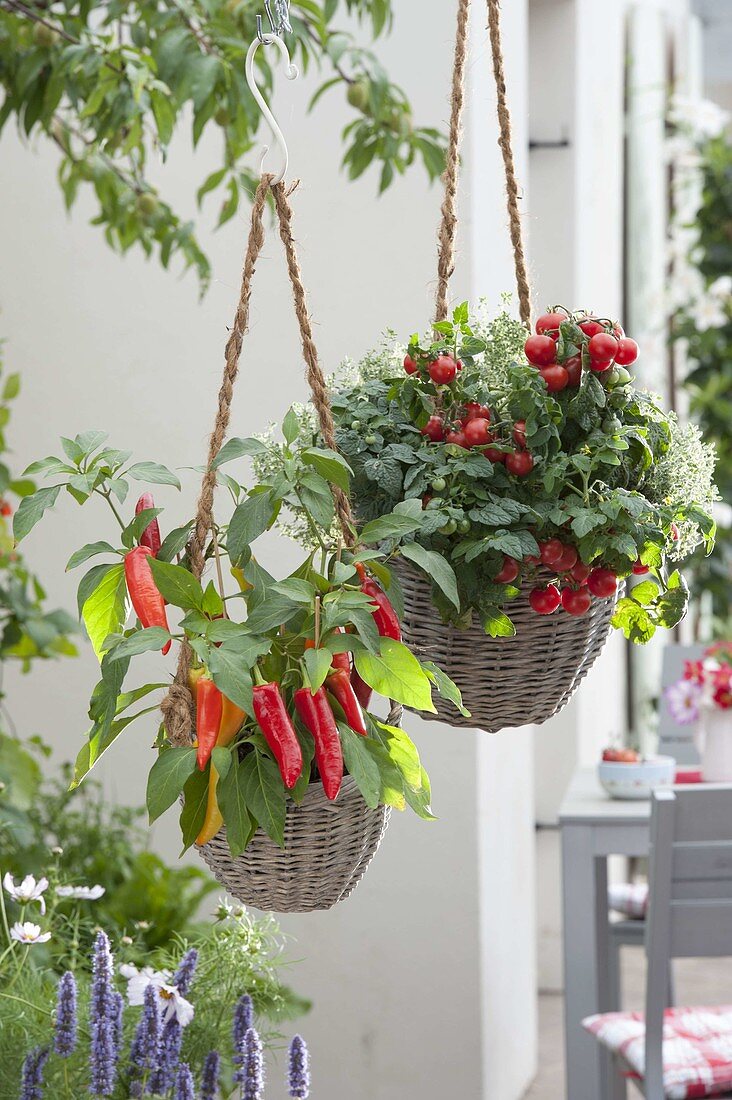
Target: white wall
x=423 y=982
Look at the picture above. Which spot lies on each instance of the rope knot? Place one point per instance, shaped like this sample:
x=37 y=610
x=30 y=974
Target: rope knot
x=177 y=708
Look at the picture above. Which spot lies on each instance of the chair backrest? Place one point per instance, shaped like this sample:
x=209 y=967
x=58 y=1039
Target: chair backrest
x=674 y=739
x=690 y=895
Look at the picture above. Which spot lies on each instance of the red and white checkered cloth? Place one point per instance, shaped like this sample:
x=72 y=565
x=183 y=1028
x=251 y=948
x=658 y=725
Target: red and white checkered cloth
x=629 y=898
x=697 y=1047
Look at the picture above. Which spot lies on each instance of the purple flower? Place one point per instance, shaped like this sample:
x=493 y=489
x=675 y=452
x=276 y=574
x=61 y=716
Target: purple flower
x=243 y=1020
x=145 y=1048
x=102 y=1055
x=64 y=1041
x=163 y=1079
x=32 y=1078
x=250 y=1072
x=118 y=1007
x=298 y=1070
x=184 y=1089
x=210 y=1078
x=184 y=974
x=683 y=700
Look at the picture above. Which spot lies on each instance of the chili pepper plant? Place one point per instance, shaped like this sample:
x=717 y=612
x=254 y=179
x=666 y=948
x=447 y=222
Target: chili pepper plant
x=495 y=462
x=283 y=671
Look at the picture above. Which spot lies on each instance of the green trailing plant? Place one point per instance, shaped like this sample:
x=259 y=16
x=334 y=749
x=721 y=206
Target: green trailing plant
x=701 y=300
x=263 y=655
x=486 y=472
x=110 y=84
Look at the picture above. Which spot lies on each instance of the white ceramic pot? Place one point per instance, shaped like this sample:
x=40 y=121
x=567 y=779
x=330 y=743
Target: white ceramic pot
x=713 y=739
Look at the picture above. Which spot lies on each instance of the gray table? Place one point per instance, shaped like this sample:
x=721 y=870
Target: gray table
x=593 y=827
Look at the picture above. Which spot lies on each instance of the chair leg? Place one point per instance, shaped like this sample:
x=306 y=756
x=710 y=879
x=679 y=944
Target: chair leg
x=618 y=1084
x=613 y=975
x=671 y=994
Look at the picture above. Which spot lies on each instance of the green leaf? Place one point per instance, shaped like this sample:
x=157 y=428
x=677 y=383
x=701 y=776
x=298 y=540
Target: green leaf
x=392 y=526
x=177 y=585
x=290 y=426
x=99 y=740
x=239 y=448
x=446 y=687
x=89 y=551
x=420 y=800
x=230 y=673
x=167 y=779
x=31 y=510
x=396 y=674
x=317 y=663
x=264 y=794
x=193 y=814
x=436 y=567
x=11 y=388
x=174 y=543
x=330 y=465
x=141 y=641
x=496 y=623
x=275 y=610
x=221 y=759
x=251 y=518
x=105 y=610
x=361 y=765
x=240 y=827
x=152 y=473
x=403 y=753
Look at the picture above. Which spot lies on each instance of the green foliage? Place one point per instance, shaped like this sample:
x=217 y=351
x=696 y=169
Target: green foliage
x=95 y=842
x=614 y=475
x=110 y=84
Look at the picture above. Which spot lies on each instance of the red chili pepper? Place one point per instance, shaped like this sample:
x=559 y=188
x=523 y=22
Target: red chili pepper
x=318 y=718
x=385 y=616
x=361 y=690
x=209 y=706
x=279 y=732
x=337 y=660
x=340 y=686
x=148 y=603
x=151 y=535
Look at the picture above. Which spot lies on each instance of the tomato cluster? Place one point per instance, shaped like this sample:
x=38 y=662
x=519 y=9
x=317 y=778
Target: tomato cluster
x=566 y=343
x=576 y=585
x=472 y=427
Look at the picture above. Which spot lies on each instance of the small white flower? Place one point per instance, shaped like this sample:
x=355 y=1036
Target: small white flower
x=28 y=933
x=721 y=287
x=708 y=313
x=28 y=890
x=84 y=893
x=171 y=1002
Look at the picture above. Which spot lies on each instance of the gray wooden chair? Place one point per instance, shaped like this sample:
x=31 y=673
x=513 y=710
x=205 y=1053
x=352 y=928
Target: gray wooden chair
x=689 y=916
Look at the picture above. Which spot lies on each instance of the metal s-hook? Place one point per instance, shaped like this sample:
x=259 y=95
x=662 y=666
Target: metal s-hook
x=291 y=72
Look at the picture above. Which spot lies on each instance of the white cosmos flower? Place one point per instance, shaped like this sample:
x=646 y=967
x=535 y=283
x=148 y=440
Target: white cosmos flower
x=721 y=287
x=708 y=313
x=702 y=116
x=28 y=890
x=172 y=1004
x=28 y=933
x=85 y=893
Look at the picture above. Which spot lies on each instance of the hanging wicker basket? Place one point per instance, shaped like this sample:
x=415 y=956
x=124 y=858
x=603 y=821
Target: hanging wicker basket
x=505 y=682
x=328 y=846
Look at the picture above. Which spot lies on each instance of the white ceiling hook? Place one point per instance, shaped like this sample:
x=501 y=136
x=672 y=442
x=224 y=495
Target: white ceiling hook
x=291 y=73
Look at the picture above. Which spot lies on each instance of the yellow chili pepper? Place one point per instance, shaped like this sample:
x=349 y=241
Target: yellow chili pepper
x=232 y=719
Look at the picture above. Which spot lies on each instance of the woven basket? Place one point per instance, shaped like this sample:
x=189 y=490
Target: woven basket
x=505 y=682
x=328 y=846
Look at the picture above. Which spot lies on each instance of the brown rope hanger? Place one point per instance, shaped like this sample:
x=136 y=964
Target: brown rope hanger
x=448 y=222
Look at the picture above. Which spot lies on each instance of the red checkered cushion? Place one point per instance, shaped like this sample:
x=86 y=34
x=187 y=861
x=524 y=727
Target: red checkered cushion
x=629 y=898
x=697 y=1047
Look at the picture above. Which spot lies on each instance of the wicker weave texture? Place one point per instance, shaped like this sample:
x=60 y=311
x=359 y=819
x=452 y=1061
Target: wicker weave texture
x=328 y=846
x=504 y=682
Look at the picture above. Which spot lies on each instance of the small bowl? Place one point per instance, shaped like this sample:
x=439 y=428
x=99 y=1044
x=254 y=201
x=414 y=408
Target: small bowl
x=636 y=781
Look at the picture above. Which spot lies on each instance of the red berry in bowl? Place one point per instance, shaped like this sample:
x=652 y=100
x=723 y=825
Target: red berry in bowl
x=509 y=571
x=567 y=561
x=442 y=370
x=579 y=573
x=639 y=568
x=434 y=429
x=519 y=433
x=603 y=348
x=576 y=601
x=556 y=378
x=457 y=438
x=473 y=410
x=477 y=432
x=602 y=582
x=519 y=463
x=545 y=601
x=573 y=367
x=591 y=327
x=494 y=455
x=548 y=324
x=551 y=551
x=409 y=365
x=541 y=351
x=627 y=352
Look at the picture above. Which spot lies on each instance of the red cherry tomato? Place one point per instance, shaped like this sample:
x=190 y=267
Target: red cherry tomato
x=541 y=350
x=627 y=352
x=474 y=410
x=442 y=370
x=579 y=573
x=674 y=532
x=556 y=378
x=551 y=551
x=548 y=324
x=434 y=429
x=409 y=365
x=603 y=348
x=568 y=560
x=599 y=366
x=477 y=432
x=519 y=433
x=519 y=463
x=459 y=364
x=494 y=455
x=458 y=438
x=573 y=367
x=590 y=327
x=639 y=568
x=6 y=509
x=602 y=582
x=531 y=559
x=576 y=601
x=545 y=601
x=509 y=571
